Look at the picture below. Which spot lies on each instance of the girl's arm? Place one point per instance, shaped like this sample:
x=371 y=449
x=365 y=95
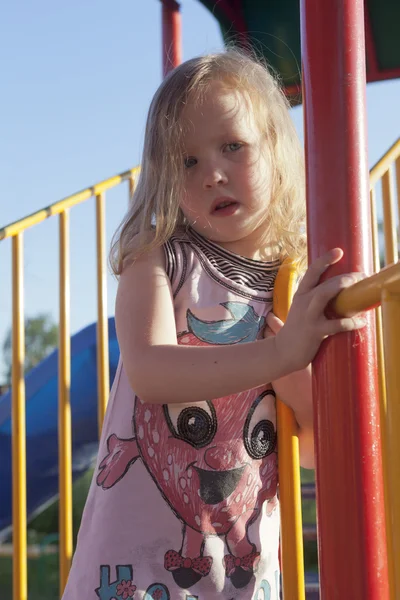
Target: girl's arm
x=162 y=372
x=159 y=370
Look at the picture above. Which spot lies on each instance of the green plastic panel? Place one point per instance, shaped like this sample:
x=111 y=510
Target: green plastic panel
x=385 y=25
x=273 y=30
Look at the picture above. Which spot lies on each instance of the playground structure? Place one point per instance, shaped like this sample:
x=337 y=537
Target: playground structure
x=355 y=479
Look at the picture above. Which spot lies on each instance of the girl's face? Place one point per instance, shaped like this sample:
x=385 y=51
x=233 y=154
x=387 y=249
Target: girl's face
x=227 y=170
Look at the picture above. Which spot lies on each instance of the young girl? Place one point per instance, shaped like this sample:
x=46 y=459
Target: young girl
x=183 y=502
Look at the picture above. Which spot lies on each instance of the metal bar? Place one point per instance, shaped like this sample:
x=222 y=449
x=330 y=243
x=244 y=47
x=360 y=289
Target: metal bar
x=103 y=373
x=132 y=186
x=367 y=293
x=171 y=35
x=62 y=205
x=391 y=328
x=292 y=559
x=398 y=187
x=376 y=261
x=64 y=409
x=383 y=163
x=389 y=219
x=352 y=549
x=20 y=576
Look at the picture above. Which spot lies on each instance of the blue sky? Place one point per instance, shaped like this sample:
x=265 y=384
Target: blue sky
x=77 y=79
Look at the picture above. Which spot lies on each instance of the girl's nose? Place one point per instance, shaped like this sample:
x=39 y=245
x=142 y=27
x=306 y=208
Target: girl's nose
x=214 y=177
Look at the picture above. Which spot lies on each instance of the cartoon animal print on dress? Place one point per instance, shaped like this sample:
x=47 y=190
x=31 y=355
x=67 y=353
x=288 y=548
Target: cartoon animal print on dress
x=213 y=464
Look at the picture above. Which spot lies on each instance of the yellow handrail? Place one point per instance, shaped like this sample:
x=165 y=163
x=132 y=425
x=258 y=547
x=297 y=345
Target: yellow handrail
x=62 y=205
x=384 y=163
x=367 y=293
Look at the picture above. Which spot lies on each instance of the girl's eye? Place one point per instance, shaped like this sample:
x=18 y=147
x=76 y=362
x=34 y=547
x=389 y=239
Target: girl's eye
x=196 y=425
x=234 y=146
x=190 y=161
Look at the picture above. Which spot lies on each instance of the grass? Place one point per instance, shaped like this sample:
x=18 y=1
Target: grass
x=43 y=583
x=42 y=578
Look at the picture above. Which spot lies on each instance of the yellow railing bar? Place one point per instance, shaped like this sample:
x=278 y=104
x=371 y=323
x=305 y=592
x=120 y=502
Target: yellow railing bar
x=64 y=409
x=132 y=183
x=367 y=293
x=398 y=182
x=62 y=205
x=391 y=329
x=383 y=164
x=103 y=377
x=292 y=559
x=389 y=219
x=20 y=579
x=378 y=312
x=374 y=231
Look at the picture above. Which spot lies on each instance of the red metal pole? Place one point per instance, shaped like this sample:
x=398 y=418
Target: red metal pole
x=171 y=35
x=352 y=548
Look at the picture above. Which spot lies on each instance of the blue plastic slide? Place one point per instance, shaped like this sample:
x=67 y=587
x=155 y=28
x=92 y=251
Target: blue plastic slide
x=41 y=423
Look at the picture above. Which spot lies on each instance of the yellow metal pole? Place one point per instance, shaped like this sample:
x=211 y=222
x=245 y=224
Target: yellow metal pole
x=103 y=376
x=20 y=578
x=382 y=395
x=391 y=329
x=132 y=185
x=64 y=409
x=398 y=185
x=389 y=221
x=292 y=560
x=375 y=236
x=378 y=312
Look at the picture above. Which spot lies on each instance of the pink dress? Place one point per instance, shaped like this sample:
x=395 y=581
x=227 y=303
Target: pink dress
x=183 y=501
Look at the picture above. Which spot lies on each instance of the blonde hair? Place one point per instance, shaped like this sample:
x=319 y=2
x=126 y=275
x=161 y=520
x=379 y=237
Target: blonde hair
x=155 y=203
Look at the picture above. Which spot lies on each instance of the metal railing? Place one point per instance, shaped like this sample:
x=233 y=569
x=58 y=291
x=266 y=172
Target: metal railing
x=16 y=232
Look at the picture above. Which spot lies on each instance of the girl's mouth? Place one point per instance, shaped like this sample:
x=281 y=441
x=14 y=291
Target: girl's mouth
x=224 y=207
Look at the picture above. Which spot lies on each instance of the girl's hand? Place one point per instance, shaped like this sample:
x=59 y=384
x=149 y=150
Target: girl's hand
x=306 y=325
